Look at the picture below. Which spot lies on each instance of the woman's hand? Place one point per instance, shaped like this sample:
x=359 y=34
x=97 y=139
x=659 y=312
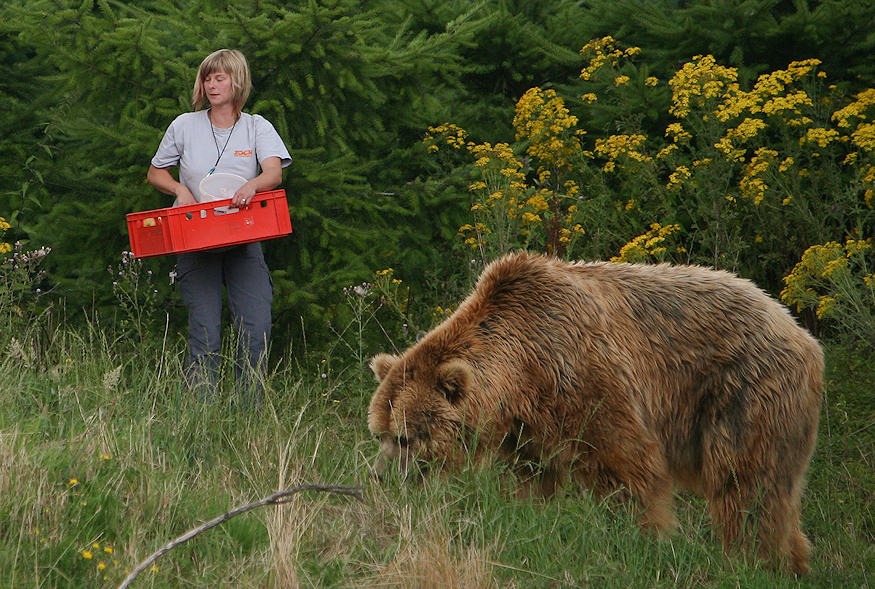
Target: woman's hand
x=161 y=179
x=185 y=197
x=243 y=197
x=270 y=177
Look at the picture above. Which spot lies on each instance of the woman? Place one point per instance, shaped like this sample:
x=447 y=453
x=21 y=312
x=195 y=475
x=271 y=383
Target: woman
x=222 y=138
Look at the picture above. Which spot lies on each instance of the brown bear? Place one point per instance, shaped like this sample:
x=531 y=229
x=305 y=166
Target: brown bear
x=628 y=377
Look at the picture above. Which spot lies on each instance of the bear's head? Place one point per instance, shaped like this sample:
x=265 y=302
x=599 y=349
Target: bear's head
x=417 y=411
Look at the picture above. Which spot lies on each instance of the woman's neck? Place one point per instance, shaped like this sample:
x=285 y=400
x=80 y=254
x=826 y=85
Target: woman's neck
x=223 y=117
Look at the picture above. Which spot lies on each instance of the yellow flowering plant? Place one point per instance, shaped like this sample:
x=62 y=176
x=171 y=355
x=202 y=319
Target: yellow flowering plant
x=5 y=248
x=746 y=174
x=22 y=285
x=757 y=172
x=837 y=282
x=653 y=246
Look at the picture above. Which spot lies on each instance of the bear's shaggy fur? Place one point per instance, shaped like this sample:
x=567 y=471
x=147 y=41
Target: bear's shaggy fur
x=638 y=378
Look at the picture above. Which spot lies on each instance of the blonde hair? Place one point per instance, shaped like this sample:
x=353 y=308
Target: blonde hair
x=233 y=63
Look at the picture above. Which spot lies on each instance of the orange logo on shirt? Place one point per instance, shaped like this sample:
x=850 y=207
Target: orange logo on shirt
x=243 y=153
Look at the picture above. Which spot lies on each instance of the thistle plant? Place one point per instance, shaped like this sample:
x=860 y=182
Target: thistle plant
x=133 y=285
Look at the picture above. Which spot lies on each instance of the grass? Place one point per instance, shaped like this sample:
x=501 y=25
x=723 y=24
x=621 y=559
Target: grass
x=103 y=453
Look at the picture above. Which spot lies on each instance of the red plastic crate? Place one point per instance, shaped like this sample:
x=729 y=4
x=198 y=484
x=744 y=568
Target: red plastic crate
x=201 y=227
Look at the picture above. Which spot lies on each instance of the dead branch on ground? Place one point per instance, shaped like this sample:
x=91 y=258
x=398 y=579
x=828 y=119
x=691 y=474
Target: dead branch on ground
x=277 y=498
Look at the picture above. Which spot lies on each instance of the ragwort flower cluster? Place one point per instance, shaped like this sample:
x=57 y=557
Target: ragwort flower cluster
x=509 y=209
x=837 y=281
x=650 y=246
x=549 y=129
x=604 y=52
x=5 y=248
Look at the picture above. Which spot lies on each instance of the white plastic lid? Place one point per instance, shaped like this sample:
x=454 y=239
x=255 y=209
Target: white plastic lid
x=220 y=185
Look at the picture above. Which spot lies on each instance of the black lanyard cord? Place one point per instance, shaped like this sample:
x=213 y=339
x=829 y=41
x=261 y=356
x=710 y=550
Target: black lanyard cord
x=228 y=140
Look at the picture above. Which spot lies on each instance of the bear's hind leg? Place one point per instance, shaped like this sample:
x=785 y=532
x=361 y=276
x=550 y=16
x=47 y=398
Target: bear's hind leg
x=747 y=508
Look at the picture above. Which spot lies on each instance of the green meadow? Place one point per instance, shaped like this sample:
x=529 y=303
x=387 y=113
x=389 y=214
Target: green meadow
x=105 y=457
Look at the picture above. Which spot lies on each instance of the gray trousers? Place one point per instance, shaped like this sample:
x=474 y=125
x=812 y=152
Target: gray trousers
x=244 y=275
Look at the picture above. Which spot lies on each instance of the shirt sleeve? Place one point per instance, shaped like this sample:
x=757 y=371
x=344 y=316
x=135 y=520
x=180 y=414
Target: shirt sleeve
x=268 y=142
x=169 y=150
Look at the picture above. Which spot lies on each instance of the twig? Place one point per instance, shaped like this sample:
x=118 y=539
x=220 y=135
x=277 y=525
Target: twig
x=277 y=498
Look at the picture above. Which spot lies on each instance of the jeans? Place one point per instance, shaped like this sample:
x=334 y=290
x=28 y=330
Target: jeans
x=244 y=275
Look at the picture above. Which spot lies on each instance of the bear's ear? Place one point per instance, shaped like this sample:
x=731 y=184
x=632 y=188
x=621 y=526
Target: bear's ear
x=381 y=364
x=453 y=379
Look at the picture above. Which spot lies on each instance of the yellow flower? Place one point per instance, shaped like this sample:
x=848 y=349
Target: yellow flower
x=647 y=245
x=101 y=565
x=855 y=110
x=665 y=151
x=621 y=80
x=603 y=52
x=73 y=482
x=617 y=146
x=108 y=549
x=589 y=97
x=790 y=103
x=452 y=135
x=529 y=218
x=821 y=137
x=677 y=133
x=864 y=136
x=676 y=178
x=86 y=554
x=854 y=247
x=826 y=306
x=479 y=185
x=551 y=130
x=538 y=202
x=834 y=265
x=697 y=82
x=749 y=127
x=651 y=81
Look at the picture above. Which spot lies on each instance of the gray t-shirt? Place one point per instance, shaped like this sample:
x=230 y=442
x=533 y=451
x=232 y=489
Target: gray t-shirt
x=192 y=143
